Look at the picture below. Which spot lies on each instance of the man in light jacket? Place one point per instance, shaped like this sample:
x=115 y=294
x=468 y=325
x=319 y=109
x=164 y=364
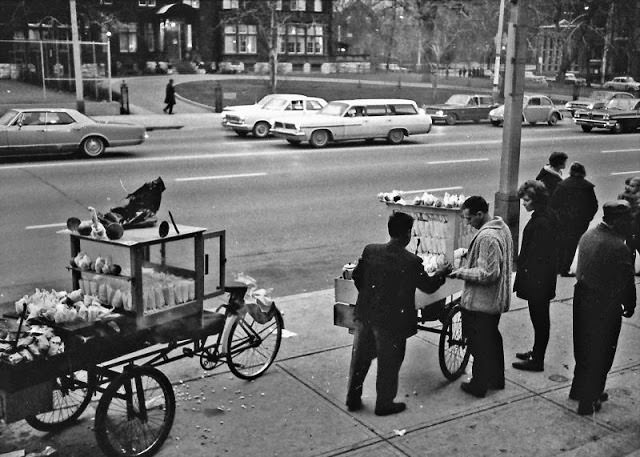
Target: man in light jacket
x=486 y=294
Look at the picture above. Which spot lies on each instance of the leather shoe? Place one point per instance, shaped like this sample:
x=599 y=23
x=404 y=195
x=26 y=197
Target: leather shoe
x=528 y=365
x=586 y=408
x=524 y=355
x=392 y=408
x=354 y=405
x=471 y=389
x=603 y=397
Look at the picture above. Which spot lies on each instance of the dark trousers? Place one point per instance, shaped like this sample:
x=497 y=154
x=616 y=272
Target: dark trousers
x=369 y=342
x=539 y=313
x=595 y=340
x=567 y=249
x=169 y=108
x=485 y=344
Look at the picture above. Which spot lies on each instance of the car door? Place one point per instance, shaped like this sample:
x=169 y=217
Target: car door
x=485 y=104
x=356 y=122
x=377 y=121
x=533 y=110
x=546 y=107
x=28 y=132
x=62 y=131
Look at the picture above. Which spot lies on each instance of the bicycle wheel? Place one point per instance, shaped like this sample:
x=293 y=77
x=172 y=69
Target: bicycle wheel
x=135 y=414
x=453 y=352
x=252 y=347
x=71 y=396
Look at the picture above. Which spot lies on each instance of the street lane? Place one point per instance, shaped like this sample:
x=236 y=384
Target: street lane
x=293 y=215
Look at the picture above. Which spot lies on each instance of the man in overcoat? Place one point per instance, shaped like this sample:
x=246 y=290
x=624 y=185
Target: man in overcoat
x=169 y=97
x=386 y=277
x=604 y=292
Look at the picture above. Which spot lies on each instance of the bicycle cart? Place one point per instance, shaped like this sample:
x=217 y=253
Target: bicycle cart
x=119 y=356
x=438 y=232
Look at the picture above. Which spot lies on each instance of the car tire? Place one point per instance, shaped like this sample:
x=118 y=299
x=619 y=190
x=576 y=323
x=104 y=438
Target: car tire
x=586 y=128
x=294 y=142
x=553 y=120
x=261 y=129
x=319 y=138
x=395 y=136
x=532 y=122
x=496 y=123
x=93 y=147
x=451 y=119
x=618 y=128
x=241 y=133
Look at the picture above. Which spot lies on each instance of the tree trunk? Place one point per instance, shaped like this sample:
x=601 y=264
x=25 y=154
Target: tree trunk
x=273 y=52
x=607 y=42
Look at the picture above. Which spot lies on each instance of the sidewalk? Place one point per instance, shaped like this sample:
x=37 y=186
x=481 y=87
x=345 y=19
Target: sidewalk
x=297 y=407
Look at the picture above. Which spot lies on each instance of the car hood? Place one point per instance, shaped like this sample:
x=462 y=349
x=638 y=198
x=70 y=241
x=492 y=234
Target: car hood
x=239 y=107
x=442 y=106
x=499 y=111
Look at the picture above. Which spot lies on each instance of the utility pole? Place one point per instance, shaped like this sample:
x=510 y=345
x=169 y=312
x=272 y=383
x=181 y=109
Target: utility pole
x=77 y=61
x=506 y=199
x=496 y=66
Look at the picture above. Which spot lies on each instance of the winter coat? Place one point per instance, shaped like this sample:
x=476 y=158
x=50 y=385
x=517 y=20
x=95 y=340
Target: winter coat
x=550 y=178
x=575 y=203
x=170 y=94
x=537 y=262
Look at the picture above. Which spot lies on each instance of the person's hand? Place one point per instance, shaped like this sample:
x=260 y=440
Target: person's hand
x=444 y=269
x=453 y=274
x=628 y=312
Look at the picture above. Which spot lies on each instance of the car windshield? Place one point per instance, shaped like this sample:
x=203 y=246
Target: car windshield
x=266 y=99
x=457 y=99
x=334 y=109
x=621 y=103
x=8 y=117
x=276 y=104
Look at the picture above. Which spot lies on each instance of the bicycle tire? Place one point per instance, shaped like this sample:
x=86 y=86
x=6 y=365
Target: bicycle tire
x=453 y=350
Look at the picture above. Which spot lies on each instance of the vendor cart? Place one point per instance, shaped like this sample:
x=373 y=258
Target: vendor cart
x=438 y=231
x=119 y=356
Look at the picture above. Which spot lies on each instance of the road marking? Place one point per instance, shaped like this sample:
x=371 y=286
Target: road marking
x=618 y=173
x=611 y=151
x=437 y=189
x=205 y=178
x=443 y=162
x=36 y=227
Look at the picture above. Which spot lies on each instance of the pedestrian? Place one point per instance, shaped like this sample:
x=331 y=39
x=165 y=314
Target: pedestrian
x=537 y=270
x=385 y=315
x=460 y=72
x=486 y=294
x=464 y=72
x=169 y=97
x=551 y=173
x=575 y=203
x=604 y=292
x=632 y=195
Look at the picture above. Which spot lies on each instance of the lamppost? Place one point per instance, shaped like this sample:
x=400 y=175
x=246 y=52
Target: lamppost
x=496 y=66
x=108 y=34
x=77 y=58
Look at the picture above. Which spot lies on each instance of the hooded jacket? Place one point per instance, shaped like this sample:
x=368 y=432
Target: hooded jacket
x=487 y=272
x=550 y=178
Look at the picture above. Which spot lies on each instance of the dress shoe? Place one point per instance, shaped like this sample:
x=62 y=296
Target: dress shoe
x=469 y=388
x=354 y=405
x=524 y=355
x=392 y=408
x=586 y=408
x=529 y=365
x=603 y=397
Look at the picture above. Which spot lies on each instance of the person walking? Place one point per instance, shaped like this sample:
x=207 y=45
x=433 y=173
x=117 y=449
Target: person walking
x=537 y=270
x=169 y=97
x=386 y=277
x=604 y=292
x=575 y=203
x=551 y=174
x=632 y=195
x=486 y=294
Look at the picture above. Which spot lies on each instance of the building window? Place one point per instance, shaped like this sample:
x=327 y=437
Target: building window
x=282 y=40
x=106 y=2
x=230 y=4
x=161 y=35
x=192 y=3
x=298 y=5
x=149 y=37
x=240 y=39
x=149 y=3
x=127 y=35
x=279 y=5
x=317 y=6
x=315 y=39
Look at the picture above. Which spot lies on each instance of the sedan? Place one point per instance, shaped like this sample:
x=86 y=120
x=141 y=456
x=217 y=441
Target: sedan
x=620 y=115
x=626 y=83
x=598 y=99
x=53 y=130
x=257 y=119
x=535 y=108
x=461 y=107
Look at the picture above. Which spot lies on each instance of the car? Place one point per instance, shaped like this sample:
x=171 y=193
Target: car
x=61 y=130
x=535 y=108
x=620 y=115
x=461 y=107
x=360 y=119
x=231 y=67
x=257 y=120
x=597 y=99
x=572 y=78
x=538 y=80
x=625 y=83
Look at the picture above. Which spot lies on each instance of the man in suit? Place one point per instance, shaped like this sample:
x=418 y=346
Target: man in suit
x=385 y=316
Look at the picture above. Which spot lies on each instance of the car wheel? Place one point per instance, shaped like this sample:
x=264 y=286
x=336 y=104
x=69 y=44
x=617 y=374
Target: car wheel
x=241 y=133
x=261 y=129
x=553 y=120
x=618 y=128
x=586 y=128
x=294 y=142
x=532 y=123
x=93 y=146
x=396 y=136
x=496 y=123
x=319 y=138
x=451 y=119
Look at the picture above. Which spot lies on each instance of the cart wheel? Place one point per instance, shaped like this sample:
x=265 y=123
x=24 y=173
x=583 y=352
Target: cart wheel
x=453 y=352
x=252 y=347
x=71 y=396
x=135 y=414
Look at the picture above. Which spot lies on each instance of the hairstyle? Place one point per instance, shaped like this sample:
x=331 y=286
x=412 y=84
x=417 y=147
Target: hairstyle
x=628 y=180
x=399 y=224
x=577 y=169
x=476 y=203
x=535 y=190
x=557 y=158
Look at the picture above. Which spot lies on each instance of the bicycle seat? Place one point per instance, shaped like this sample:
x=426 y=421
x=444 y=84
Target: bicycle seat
x=236 y=289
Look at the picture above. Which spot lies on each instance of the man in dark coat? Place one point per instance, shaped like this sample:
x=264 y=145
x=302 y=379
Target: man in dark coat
x=169 y=97
x=604 y=292
x=551 y=174
x=386 y=278
x=575 y=203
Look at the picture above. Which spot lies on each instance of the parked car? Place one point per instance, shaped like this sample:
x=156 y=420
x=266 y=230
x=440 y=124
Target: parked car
x=461 y=107
x=572 y=78
x=364 y=119
x=535 y=108
x=231 y=67
x=625 y=83
x=538 y=80
x=620 y=115
x=258 y=119
x=59 y=130
x=597 y=99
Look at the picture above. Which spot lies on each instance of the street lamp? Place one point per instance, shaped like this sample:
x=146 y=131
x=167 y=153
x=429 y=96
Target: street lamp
x=496 y=66
x=108 y=34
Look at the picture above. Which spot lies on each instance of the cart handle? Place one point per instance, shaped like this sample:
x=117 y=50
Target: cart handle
x=22 y=317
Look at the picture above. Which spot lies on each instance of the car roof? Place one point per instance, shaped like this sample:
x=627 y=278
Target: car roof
x=58 y=110
x=376 y=101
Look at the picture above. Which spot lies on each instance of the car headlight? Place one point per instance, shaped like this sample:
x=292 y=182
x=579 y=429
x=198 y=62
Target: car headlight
x=605 y=117
x=439 y=112
x=567 y=105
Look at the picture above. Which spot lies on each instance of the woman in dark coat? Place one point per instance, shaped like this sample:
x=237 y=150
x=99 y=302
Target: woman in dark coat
x=169 y=97
x=575 y=203
x=536 y=273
